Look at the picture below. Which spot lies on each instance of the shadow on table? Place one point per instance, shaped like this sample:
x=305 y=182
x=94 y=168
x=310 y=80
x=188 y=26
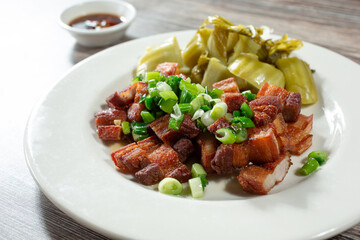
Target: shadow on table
x=80 y=52
x=60 y=226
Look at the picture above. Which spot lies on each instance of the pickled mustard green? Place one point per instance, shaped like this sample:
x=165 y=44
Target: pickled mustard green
x=298 y=78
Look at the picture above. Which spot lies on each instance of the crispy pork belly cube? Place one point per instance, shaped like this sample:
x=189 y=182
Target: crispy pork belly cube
x=168 y=161
x=110 y=132
x=261 y=179
x=230 y=156
x=135 y=160
x=208 y=145
x=149 y=144
x=265 y=109
x=227 y=85
x=134 y=112
x=116 y=156
x=184 y=147
x=296 y=138
x=141 y=89
x=220 y=123
x=131 y=157
x=168 y=68
x=121 y=100
x=291 y=101
x=107 y=117
x=233 y=101
x=264 y=147
x=150 y=175
x=181 y=173
x=171 y=136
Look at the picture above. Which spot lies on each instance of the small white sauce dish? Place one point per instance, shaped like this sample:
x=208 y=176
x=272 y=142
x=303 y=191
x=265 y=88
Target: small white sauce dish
x=100 y=37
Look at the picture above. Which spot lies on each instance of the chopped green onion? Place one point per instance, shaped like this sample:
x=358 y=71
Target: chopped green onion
x=152 y=75
x=174 y=123
x=147 y=117
x=197 y=170
x=218 y=110
x=185 y=107
x=246 y=110
x=139 y=128
x=196 y=187
x=206 y=119
x=126 y=127
x=245 y=121
x=139 y=137
x=142 y=98
x=138 y=78
x=205 y=108
x=229 y=116
x=227 y=136
x=149 y=102
x=185 y=96
x=236 y=113
x=241 y=135
x=173 y=81
x=319 y=156
x=163 y=86
x=200 y=88
x=310 y=166
x=200 y=125
x=169 y=99
x=170 y=186
x=250 y=96
x=166 y=95
x=152 y=83
x=197 y=103
x=197 y=114
x=216 y=93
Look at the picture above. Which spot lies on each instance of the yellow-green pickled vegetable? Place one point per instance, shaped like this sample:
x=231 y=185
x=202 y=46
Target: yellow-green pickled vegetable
x=196 y=47
x=197 y=72
x=248 y=67
x=298 y=78
x=216 y=71
x=244 y=45
x=217 y=44
x=168 y=51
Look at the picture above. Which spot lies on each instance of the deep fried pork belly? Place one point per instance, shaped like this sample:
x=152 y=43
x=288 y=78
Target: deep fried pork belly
x=291 y=101
x=150 y=175
x=150 y=161
x=207 y=144
x=263 y=147
x=134 y=112
x=168 y=69
x=107 y=117
x=220 y=123
x=141 y=89
x=184 y=147
x=170 y=136
x=167 y=161
x=265 y=109
x=110 y=132
x=233 y=101
x=228 y=85
x=261 y=179
x=230 y=156
x=121 y=100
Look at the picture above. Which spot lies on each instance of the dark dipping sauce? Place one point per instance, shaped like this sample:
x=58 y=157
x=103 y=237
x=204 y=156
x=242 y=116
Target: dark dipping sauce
x=96 y=21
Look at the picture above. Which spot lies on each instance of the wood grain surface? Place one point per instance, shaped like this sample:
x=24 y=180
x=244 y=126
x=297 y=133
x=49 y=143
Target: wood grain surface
x=35 y=53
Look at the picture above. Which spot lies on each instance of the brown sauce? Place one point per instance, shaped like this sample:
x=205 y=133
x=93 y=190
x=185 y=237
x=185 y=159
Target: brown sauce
x=96 y=21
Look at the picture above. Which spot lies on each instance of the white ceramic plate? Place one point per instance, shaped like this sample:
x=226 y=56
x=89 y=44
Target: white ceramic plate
x=74 y=169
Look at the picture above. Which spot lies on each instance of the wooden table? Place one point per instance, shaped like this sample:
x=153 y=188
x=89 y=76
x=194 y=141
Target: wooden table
x=35 y=53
